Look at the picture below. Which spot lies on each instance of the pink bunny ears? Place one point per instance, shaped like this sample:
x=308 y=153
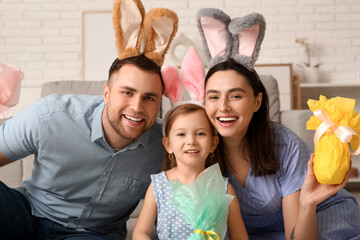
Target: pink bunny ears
x=192 y=75
x=223 y=38
x=10 y=82
x=131 y=23
x=193 y=80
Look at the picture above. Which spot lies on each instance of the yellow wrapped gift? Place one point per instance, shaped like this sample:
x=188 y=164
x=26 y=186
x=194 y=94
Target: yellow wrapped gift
x=336 y=124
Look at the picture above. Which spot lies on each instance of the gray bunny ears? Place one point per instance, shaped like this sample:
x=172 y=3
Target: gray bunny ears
x=224 y=38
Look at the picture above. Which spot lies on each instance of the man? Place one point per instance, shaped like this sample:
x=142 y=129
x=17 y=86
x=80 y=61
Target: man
x=93 y=157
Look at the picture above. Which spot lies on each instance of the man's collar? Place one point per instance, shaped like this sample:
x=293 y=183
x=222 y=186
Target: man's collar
x=96 y=127
x=144 y=139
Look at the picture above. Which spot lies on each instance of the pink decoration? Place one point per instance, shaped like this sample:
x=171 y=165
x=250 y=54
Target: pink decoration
x=173 y=89
x=10 y=82
x=192 y=74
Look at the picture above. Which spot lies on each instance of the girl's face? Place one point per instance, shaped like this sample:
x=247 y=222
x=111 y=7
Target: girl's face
x=230 y=103
x=191 y=139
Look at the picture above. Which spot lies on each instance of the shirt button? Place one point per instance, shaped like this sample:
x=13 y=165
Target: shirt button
x=105 y=173
x=86 y=209
x=97 y=194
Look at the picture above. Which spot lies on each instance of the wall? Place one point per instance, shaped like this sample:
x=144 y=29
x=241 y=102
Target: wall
x=43 y=37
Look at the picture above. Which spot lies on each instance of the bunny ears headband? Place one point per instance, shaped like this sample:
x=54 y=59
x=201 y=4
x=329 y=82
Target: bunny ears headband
x=192 y=76
x=224 y=38
x=131 y=23
x=192 y=80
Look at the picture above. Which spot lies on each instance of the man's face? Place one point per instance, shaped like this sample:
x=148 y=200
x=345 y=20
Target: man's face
x=132 y=102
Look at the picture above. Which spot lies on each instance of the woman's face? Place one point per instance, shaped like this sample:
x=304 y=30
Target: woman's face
x=230 y=103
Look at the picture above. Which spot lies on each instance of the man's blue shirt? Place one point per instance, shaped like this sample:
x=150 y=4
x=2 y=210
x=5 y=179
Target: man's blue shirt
x=79 y=181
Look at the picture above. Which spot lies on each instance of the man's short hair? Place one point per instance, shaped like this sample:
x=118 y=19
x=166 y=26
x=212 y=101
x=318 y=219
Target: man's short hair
x=139 y=61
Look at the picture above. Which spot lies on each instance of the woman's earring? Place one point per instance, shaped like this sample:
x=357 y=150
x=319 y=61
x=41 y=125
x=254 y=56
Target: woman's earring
x=171 y=156
x=211 y=155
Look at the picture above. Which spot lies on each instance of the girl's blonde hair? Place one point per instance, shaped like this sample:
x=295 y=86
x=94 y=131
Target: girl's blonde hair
x=170 y=118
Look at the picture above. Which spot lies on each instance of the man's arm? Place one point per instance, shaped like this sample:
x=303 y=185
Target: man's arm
x=4 y=160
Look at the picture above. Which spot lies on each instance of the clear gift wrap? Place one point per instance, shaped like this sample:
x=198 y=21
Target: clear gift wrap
x=336 y=124
x=203 y=204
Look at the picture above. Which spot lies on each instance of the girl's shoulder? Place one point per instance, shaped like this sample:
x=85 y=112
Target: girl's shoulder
x=164 y=176
x=158 y=177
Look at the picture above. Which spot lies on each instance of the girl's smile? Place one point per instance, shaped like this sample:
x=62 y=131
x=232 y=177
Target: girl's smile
x=191 y=139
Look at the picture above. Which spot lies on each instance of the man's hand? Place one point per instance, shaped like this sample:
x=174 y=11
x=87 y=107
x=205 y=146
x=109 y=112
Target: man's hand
x=4 y=160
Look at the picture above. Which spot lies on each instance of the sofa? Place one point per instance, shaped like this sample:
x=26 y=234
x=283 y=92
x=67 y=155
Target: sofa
x=14 y=173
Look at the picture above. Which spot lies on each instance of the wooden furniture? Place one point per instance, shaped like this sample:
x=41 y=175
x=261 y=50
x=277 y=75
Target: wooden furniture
x=305 y=91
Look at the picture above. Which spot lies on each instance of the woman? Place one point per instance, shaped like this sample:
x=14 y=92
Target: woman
x=266 y=163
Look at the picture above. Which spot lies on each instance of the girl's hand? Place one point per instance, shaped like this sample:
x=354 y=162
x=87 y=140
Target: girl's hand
x=312 y=192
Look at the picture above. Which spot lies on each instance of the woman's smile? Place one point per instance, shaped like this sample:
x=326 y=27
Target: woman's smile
x=230 y=103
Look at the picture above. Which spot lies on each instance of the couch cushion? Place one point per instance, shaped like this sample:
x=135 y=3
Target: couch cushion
x=272 y=89
x=73 y=87
x=11 y=174
x=296 y=120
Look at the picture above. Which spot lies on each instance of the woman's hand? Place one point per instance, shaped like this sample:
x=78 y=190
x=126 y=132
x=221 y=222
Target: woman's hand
x=312 y=192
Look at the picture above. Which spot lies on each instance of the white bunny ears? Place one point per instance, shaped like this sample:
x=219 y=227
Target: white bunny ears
x=10 y=82
x=224 y=38
x=130 y=23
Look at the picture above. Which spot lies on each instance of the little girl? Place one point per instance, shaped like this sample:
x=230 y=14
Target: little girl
x=190 y=140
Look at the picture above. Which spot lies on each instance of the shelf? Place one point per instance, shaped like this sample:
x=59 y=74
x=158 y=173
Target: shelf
x=305 y=91
x=354 y=179
x=327 y=85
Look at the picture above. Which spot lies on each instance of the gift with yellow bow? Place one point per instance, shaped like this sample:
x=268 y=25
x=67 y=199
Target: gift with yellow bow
x=337 y=125
x=203 y=204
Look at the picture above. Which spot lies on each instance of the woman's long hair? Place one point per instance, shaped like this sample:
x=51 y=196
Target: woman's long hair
x=259 y=140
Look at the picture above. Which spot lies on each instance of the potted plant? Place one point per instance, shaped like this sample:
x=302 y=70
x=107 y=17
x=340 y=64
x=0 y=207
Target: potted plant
x=311 y=72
